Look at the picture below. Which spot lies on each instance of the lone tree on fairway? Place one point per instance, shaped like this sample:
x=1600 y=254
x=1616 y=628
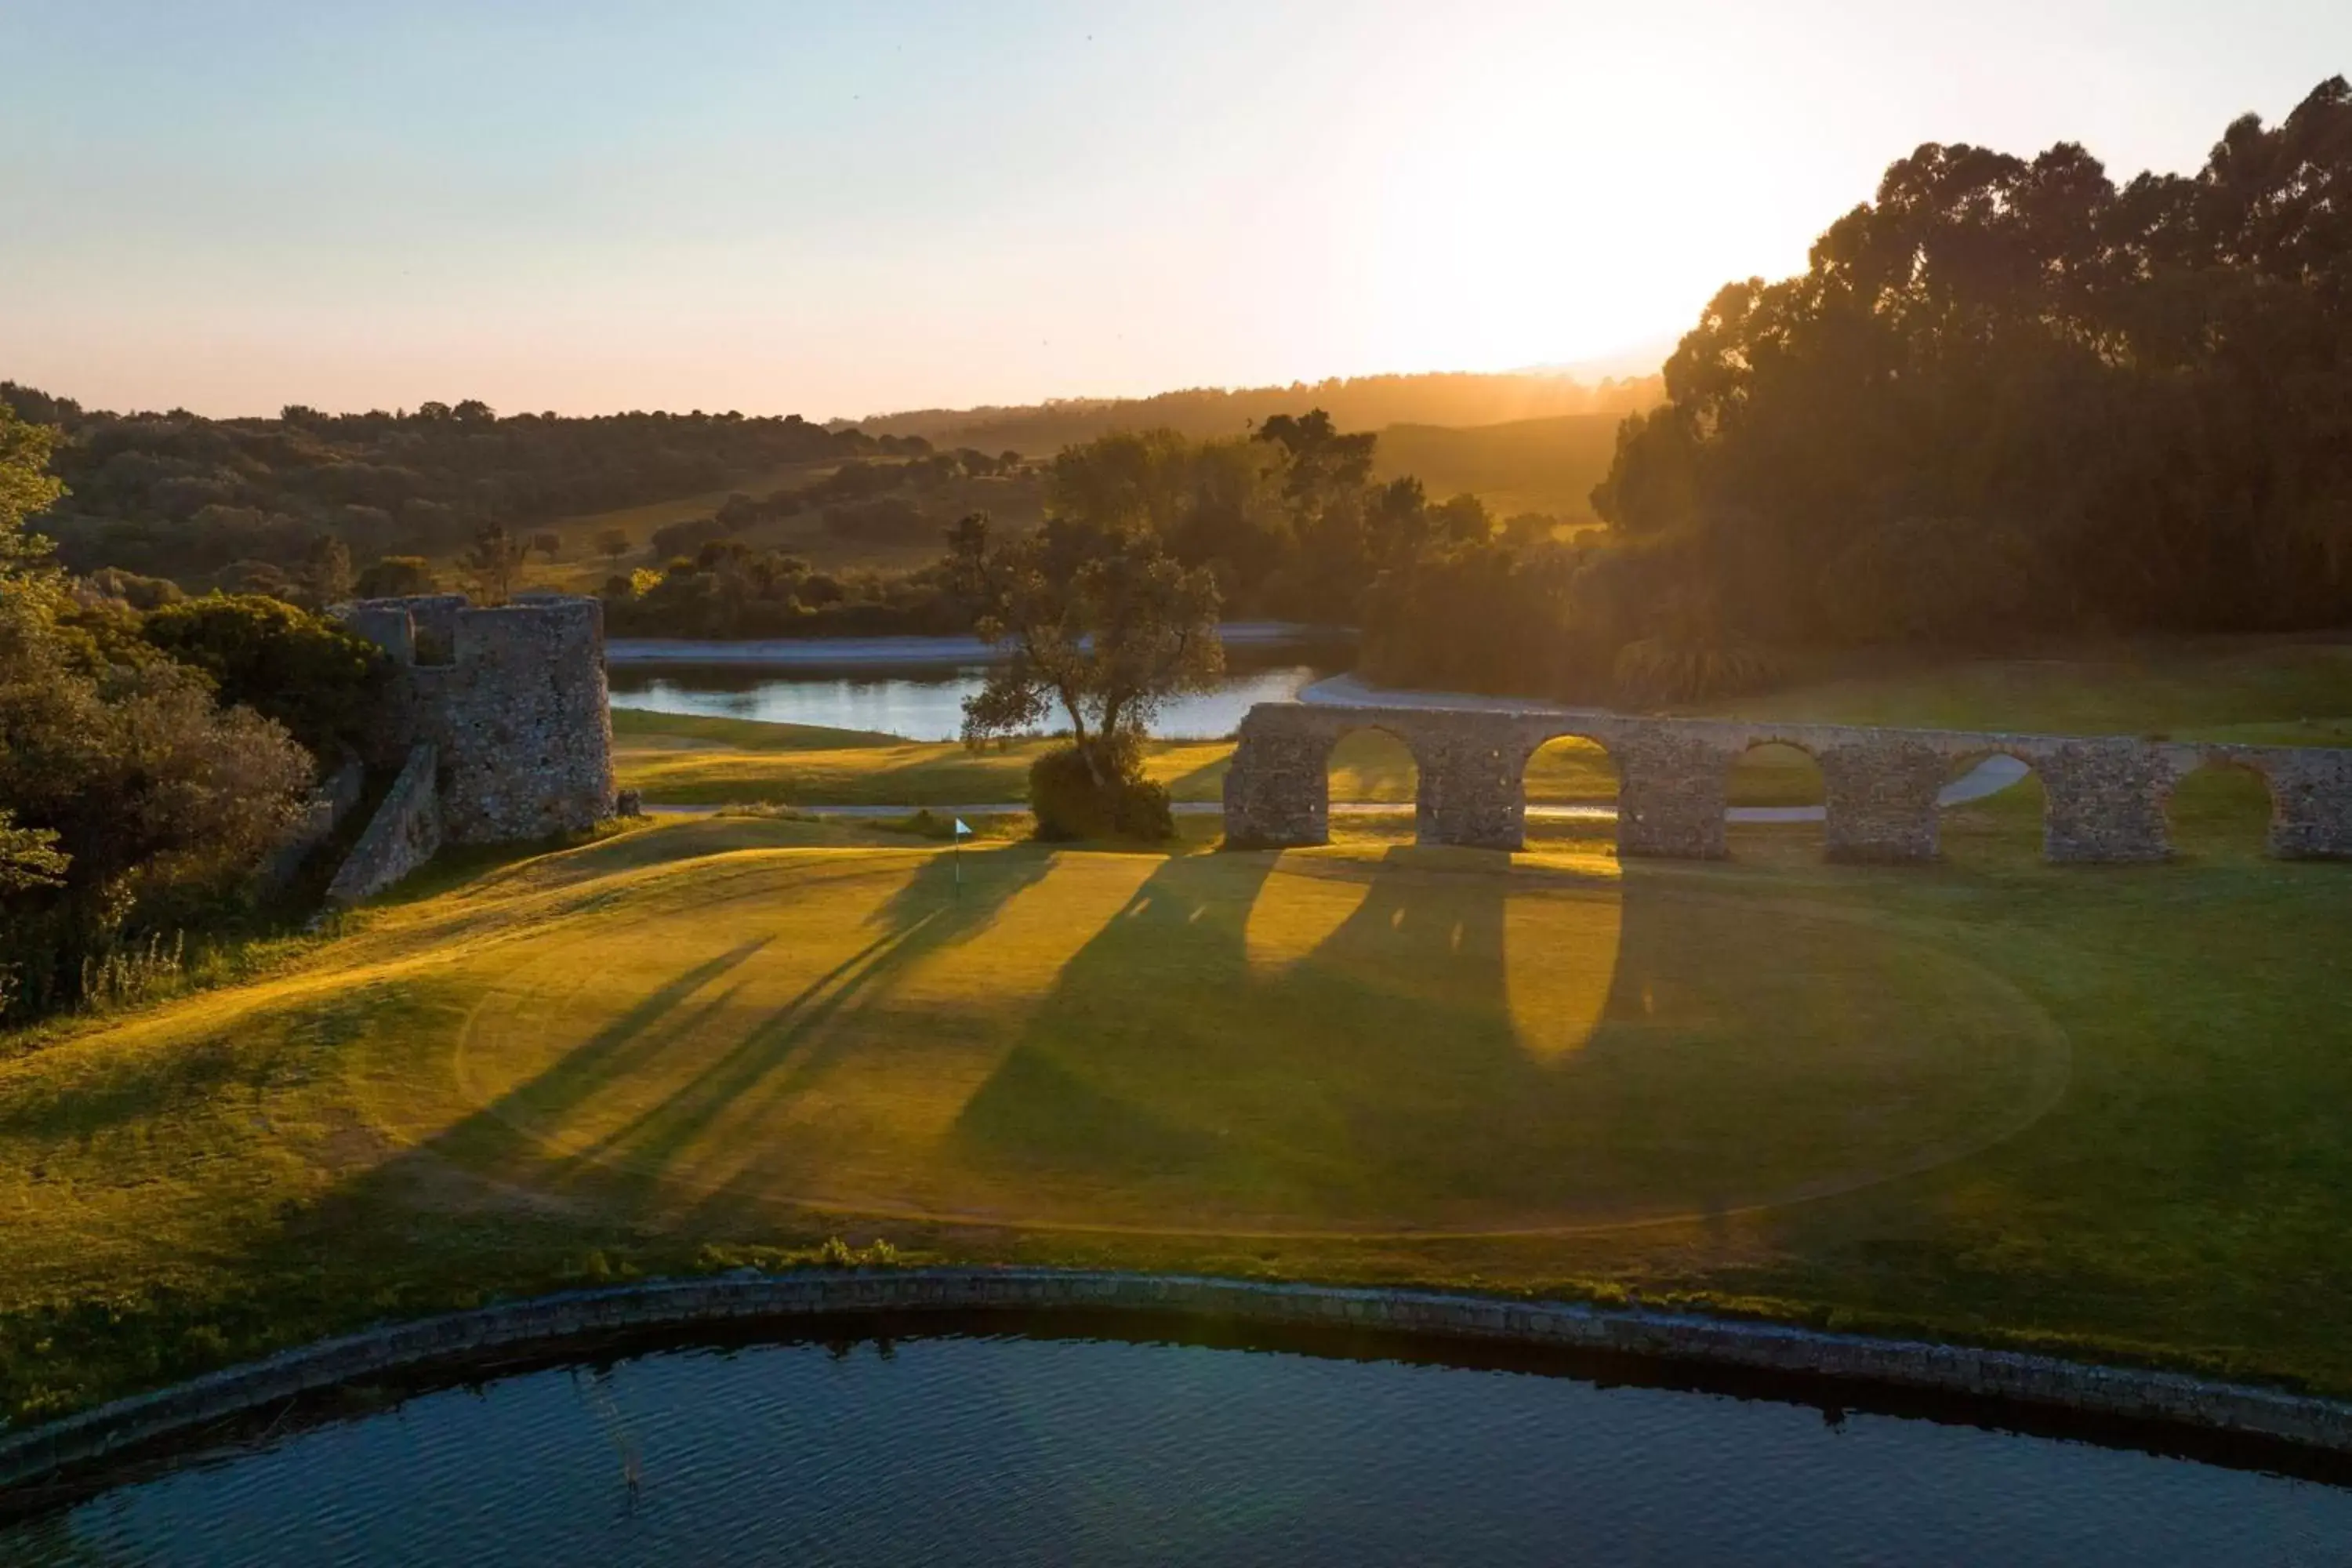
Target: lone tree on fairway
x=1102 y=624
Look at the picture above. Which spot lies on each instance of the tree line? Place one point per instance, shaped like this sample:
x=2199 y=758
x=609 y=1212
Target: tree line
x=260 y=504
x=1355 y=403
x=2009 y=399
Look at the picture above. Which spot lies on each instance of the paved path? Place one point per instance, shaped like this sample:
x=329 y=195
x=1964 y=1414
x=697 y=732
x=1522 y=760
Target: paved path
x=1987 y=777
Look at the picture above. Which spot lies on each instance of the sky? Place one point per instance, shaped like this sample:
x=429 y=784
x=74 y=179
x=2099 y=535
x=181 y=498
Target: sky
x=586 y=205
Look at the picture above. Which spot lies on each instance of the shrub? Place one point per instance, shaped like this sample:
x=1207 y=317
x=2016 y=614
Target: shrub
x=397 y=576
x=1681 y=669
x=285 y=663
x=1070 y=802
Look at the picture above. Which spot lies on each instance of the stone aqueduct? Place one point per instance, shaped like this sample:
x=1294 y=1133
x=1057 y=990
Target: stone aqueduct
x=2105 y=796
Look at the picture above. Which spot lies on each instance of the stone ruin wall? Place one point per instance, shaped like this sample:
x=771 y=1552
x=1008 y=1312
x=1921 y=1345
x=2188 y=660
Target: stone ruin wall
x=512 y=701
x=2105 y=796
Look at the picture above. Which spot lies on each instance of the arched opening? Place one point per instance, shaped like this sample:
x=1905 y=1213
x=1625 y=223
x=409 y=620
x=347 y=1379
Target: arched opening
x=1776 y=803
x=1373 y=782
x=2222 y=812
x=1571 y=789
x=1991 y=808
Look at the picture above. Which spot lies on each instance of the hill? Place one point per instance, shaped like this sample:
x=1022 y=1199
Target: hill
x=1527 y=465
x=1358 y=402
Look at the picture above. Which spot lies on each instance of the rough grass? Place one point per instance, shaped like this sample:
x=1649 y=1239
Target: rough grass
x=2095 y=1111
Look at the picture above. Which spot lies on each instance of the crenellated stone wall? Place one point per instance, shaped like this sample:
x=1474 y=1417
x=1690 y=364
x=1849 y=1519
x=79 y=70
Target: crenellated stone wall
x=2105 y=794
x=512 y=701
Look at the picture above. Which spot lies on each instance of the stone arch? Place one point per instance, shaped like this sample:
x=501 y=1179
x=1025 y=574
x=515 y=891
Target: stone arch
x=1780 y=797
x=2214 y=801
x=1972 y=812
x=1363 y=751
x=1569 y=781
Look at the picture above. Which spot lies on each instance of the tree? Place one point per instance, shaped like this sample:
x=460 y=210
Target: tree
x=492 y=563
x=128 y=797
x=548 y=542
x=2009 y=394
x=397 y=576
x=326 y=571
x=1101 y=623
x=613 y=544
x=306 y=672
x=29 y=858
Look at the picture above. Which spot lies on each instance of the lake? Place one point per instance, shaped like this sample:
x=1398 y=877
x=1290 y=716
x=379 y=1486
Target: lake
x=973 y=1448
x=925 y=702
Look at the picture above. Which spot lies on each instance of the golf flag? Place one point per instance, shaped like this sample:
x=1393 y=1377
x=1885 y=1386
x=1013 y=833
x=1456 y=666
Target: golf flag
x=961 y=831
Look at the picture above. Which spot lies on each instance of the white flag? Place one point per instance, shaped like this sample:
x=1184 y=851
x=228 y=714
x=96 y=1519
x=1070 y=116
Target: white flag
x=961 y=831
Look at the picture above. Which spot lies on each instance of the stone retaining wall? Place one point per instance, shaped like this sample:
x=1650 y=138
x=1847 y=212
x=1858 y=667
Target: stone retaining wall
x=322 y=815
x=2001 y=1375
x=404 y=834
x=2105 y=794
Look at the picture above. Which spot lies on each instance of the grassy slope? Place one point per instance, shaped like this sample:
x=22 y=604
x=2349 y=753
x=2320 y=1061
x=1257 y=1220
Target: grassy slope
x=1357 y=1063
x=1530 y=465
x=726 y=1038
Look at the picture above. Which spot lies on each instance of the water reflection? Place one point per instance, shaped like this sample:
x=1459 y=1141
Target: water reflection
x=954 y=1450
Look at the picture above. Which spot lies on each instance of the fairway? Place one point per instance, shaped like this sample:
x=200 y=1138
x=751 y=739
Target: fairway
x=1990 y=1099
x=1334 y=1041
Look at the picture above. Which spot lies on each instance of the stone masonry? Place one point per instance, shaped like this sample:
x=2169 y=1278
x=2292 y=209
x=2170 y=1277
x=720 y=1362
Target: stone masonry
x=510 y=700
x=2105 y=794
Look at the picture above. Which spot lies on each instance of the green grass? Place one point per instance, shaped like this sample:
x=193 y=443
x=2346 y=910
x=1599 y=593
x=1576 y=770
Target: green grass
x=2095 y=1111
x=2287 y=691
x=2092 y=1110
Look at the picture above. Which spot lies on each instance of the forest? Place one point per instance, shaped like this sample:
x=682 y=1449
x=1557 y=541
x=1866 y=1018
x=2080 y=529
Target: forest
x=248 y=503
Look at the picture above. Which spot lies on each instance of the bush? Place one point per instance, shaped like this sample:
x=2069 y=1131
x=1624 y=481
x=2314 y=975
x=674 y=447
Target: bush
x=285 y=663
x=1661 y=670
x=397 y=576
x=1070 y=804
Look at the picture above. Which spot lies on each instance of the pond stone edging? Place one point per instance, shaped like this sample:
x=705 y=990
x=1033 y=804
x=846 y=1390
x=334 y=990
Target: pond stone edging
x=2047 y=1381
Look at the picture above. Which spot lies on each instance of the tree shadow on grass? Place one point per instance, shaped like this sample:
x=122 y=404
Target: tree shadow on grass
x=941 y=906
x=1292 y=1083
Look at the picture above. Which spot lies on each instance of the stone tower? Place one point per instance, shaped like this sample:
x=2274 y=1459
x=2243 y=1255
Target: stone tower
x=512 y=700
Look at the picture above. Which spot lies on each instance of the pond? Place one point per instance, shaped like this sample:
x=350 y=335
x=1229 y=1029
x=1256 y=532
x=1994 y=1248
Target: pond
x=965 y=1446
x=925 y=701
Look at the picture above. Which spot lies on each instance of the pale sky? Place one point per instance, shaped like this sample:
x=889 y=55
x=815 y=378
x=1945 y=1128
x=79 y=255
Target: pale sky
x=845 y=209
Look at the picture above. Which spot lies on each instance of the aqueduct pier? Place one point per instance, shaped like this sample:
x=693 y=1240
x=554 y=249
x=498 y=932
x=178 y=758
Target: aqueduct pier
x=2105 y=796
